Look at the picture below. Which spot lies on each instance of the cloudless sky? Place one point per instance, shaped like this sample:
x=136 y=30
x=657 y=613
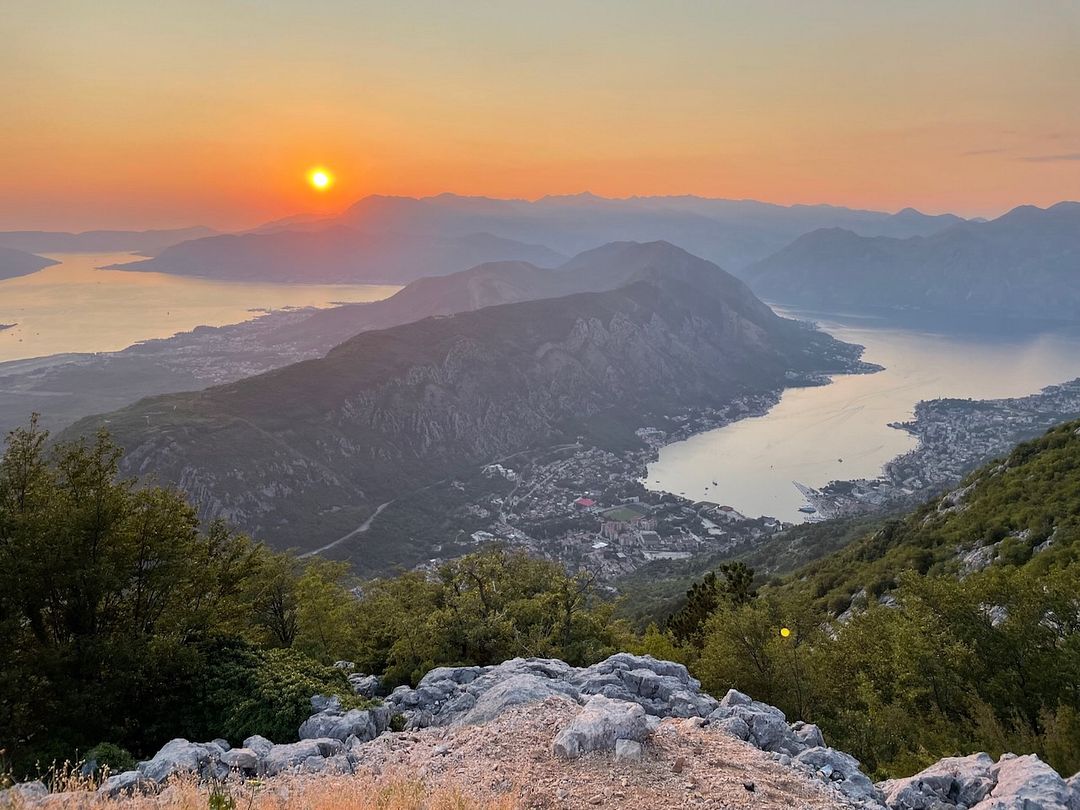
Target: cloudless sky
x=130 y=113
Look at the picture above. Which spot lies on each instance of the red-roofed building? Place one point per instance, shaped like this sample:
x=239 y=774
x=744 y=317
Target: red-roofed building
x=584 y=503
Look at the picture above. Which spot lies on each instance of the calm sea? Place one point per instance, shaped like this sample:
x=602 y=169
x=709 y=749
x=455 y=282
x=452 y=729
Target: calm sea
x=75 y=307
x=840 y=431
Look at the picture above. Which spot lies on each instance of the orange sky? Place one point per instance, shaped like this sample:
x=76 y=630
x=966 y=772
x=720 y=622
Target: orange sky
x=130 y=114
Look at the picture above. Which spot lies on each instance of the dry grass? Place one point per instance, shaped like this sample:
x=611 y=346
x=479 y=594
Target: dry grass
x=391 y=792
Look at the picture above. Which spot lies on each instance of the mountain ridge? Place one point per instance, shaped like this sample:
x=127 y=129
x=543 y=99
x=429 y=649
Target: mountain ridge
x=1025 y=263
x=390 y=410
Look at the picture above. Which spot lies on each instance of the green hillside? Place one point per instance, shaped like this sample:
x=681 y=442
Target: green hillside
x=1023 y=510
x=953 y=629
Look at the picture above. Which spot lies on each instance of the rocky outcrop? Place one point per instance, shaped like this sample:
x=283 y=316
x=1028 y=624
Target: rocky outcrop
x=600 y=726
x=180 y=756
x=840 y=770
x=453 y=695
x=622 y=700
x=332 y=722
x=977 y=782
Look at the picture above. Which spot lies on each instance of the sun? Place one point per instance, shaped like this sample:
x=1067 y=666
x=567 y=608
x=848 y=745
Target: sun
x=320 y=179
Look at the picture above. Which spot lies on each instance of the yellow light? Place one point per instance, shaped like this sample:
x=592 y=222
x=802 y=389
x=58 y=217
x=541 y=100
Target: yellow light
x=785 y=632
x=320 y=179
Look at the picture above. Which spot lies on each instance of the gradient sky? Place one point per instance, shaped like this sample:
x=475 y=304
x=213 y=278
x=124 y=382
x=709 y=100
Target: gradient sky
x=125 y=113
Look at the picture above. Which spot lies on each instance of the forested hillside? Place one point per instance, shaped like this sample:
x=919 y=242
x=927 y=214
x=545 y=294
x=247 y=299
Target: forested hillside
x=950 y=630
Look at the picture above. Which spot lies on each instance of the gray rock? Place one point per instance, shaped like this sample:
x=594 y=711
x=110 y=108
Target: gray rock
x=359 y=723
x=629 y=751
x=449 y=695
x=514 y=691
x=338 y=764
x=322 y=703
x=24 y=792
x=767 y=728
x=735 y=698
x=260 y=745
x=348 y=666
x=1074 y=781
x=598 y=725
x=1026 y=783
x=179 y=756
x=124 y=784
x=950 y=781
x=241 y=759
x=735 y=726
x=456 y=675
x=365 y=685
x=842 y=770
x=808 y=734
x=293 y=756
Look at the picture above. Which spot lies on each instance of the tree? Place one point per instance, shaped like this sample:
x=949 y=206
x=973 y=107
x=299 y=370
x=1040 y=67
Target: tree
x=705 y=597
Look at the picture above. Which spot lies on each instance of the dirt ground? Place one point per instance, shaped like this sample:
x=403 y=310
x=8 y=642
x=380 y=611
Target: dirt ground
x=508 y=764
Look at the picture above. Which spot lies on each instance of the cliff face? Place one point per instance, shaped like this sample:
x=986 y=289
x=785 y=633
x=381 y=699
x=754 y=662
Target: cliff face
x=302 y=455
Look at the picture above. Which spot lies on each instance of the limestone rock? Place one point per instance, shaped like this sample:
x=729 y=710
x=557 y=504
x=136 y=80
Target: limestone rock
x=24 y=792
x=840 y=769
x=598 y=725
x=241 y=759
x=950 y=781
x=629 y=751
x=180 y=756
x=1025 y=782
x=514 y=691
x=124 y=784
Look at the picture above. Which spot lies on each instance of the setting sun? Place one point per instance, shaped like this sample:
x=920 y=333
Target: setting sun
x=320 y=179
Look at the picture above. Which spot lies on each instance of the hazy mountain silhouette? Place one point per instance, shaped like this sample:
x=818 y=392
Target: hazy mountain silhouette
x=20 y=263
x=383 y=238
x=147 y=242
x=732 y=233
x=1025 y=263
x=337 y=254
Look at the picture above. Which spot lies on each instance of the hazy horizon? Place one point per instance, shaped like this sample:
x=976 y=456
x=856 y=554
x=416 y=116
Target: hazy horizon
x=135 y=225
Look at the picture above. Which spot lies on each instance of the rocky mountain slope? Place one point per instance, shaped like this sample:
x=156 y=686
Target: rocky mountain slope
x=628 y=732
x=15 y=263
x=337 y=255
x=303 y=455
x=64 y=388
x=1023 y=264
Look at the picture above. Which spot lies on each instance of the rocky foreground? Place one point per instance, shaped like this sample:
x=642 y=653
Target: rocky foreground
x=630 y=731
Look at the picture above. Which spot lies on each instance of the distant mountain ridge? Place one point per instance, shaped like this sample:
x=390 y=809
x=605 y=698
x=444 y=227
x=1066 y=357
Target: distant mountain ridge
x=337 y=255
x=14 y=263
x=1025 y=263
x=100 y=241
x=304 y=454
x=398 y=239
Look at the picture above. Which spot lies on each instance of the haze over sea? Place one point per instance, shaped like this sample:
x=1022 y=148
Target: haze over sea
x=75 y=307
x=840 y=431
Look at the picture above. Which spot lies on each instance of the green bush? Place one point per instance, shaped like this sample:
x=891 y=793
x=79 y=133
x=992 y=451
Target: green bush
x=106 y=756
x=250 y=690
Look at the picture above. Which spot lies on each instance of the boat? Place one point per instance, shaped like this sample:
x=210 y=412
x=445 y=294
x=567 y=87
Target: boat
x=808 y=509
